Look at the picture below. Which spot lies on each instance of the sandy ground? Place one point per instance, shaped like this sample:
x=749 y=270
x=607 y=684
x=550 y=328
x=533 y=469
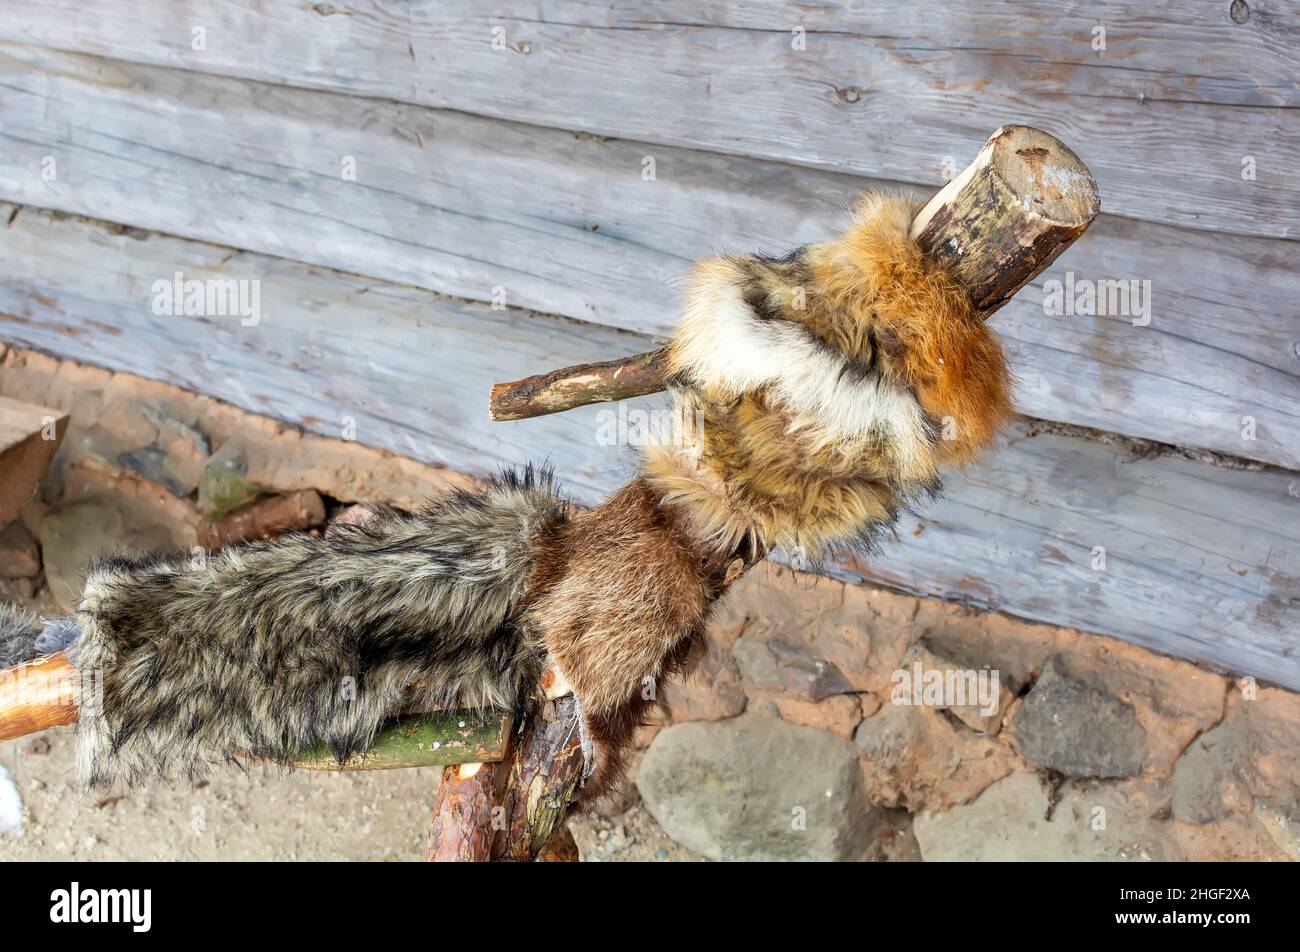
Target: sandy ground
x=261 y=814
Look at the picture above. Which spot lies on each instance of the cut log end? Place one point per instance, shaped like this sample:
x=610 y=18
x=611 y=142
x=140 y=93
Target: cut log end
x=29 y=437
x=998 y=224
x=1044 y=175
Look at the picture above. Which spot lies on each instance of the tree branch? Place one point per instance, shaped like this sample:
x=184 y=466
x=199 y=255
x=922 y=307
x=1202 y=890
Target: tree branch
x=577 y=386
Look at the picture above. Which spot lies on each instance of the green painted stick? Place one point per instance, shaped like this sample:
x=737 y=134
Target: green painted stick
x=424 y=740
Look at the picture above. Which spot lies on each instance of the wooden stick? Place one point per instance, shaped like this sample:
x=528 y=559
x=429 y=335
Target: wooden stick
x=425 y=740
x=462 y=829
x=578 y=385
x=38 y=695
x=45 y=693
x=543 y=777
x=512 y=812
x=562 y=848
x=994 y=227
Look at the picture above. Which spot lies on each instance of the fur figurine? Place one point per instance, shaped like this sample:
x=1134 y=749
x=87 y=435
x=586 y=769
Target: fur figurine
x=819 y=395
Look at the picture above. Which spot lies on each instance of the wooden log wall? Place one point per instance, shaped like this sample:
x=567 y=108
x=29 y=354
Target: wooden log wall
x=434 y=198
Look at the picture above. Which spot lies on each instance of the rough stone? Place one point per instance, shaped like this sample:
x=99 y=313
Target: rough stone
x=776 y=666
x=969 y=638
x=1250 y=761
x=175 y=455
x=1174 y=700
x=223 y=485
x=914 y=757
x=1265 y=724
x=978 y=712
x=756 y=788
x=1261 y=835
x=1202 y=779
x=74 y=536
x=142 y=502
x=263 y=519
x=1010 y=822
x=19 y=555
x=862 y=633
x=840 y=714
x=711 y=692
x=1077 y=730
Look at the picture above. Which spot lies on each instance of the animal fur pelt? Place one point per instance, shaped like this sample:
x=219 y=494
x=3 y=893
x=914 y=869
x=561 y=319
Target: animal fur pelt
x=270 y=647
x=620 y=598
x=816 y=394
x=819 y=393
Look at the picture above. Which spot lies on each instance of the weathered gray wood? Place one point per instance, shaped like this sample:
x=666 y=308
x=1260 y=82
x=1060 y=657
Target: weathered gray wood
x=396 y=367
x=565 y=224
x=877 y=88
x=1201 y=561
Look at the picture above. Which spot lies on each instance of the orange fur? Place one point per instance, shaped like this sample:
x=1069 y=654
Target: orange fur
x=947 y=354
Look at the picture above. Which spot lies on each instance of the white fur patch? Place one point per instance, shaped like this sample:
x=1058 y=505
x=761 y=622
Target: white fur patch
x=722 y=344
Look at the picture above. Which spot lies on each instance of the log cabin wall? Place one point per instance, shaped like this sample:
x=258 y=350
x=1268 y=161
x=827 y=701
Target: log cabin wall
x=432 y=197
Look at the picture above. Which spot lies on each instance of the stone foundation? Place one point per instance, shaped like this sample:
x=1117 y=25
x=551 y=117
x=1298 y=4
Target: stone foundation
x=825 y=721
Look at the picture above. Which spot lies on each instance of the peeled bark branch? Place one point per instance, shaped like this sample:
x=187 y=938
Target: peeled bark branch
x=462 y=827
x=994 y=227
x=577 y=386
x=424 y=740
x=38 y=695
x=544 y=774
